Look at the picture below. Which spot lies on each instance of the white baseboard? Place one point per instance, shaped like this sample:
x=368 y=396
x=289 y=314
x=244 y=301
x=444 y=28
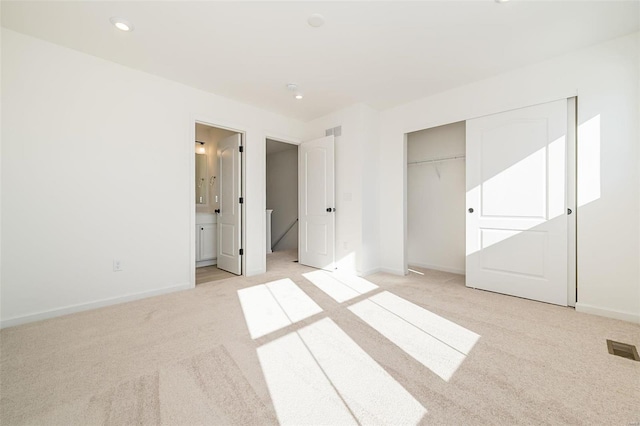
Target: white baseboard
x=384 y=270
x=210 y=262
x=254 y=272
x=370 y=272
x=610 y=313
x=89 y=305
x=439 y=268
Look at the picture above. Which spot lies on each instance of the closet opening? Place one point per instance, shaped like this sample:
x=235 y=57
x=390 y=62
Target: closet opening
x=436 y=198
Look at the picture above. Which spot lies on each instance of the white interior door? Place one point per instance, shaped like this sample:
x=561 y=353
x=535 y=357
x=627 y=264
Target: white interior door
x=516 y=203
x=229 y=216
x=317 y=203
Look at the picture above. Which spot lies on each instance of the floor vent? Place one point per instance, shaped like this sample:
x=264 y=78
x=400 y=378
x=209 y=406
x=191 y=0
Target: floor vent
x=623 y=349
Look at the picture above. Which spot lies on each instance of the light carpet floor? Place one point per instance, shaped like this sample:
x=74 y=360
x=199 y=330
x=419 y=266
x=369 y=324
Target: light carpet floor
x=187 y=358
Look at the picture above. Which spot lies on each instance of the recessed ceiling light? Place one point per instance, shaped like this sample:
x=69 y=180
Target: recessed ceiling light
x=299 y=96
x=121 y=24
x=316 y=20
x=501 y=1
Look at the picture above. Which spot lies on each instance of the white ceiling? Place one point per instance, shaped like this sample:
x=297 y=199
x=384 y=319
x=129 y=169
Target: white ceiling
x=380 y=53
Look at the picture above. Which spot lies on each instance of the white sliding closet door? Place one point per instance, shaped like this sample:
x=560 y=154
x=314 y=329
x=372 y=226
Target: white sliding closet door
x=517 y=203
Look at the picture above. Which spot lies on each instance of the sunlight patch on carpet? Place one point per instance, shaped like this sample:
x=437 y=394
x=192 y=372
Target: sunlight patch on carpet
x=340 y=286
x=275 y=305
x=435 y=342
x=319 y=375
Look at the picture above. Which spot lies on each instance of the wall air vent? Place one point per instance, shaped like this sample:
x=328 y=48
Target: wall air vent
x=335 y=131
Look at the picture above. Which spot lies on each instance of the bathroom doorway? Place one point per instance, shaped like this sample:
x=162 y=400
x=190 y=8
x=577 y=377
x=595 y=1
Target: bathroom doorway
x=218 y=203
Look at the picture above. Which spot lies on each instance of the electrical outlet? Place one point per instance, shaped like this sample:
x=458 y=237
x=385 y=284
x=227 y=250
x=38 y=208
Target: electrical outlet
x=117 y=265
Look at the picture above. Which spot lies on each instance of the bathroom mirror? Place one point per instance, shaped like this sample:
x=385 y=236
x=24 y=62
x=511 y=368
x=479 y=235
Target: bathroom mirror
x=201 y=179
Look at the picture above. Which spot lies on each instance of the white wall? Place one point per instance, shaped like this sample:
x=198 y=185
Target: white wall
x=371 y=176
x=282 y=196
x=203 y=135
x=436 y=199
x=356 y=182
x=98 y=164
x=606 y=80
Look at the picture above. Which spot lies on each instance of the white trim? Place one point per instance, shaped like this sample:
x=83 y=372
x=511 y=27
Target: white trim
x=243 y=207
x=192 y=204
x=405 y=205
x=370 y=272
x=210 y=262
x=90 y=305
x=438 y=268
x=283 y=139
x=572 y=243
x=610 y=313
x=255 y=272
x=385 y=271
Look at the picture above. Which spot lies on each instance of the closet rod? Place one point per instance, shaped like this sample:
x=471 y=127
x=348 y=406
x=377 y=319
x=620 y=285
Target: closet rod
x=437 y=160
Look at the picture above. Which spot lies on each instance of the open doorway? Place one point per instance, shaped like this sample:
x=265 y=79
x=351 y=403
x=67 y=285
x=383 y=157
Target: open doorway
x=282 y=198
x=218 y=193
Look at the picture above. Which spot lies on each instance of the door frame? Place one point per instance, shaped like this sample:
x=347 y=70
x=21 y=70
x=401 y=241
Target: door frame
x=572 y=144
x=208 y=121
x=572 y=194
x=282 y=139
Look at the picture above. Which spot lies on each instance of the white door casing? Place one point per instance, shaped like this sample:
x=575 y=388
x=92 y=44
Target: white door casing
x=317 y=203
x=517 y=203
x=229 y=217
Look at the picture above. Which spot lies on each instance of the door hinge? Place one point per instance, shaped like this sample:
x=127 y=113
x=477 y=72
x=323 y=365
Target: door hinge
x=241 y=252
x=241 y=148
x=241 y=201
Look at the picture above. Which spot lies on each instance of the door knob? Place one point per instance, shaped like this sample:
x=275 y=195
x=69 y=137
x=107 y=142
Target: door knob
x=569 y=211
x=217 y=210
x=471 y=210
x=329 y=210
